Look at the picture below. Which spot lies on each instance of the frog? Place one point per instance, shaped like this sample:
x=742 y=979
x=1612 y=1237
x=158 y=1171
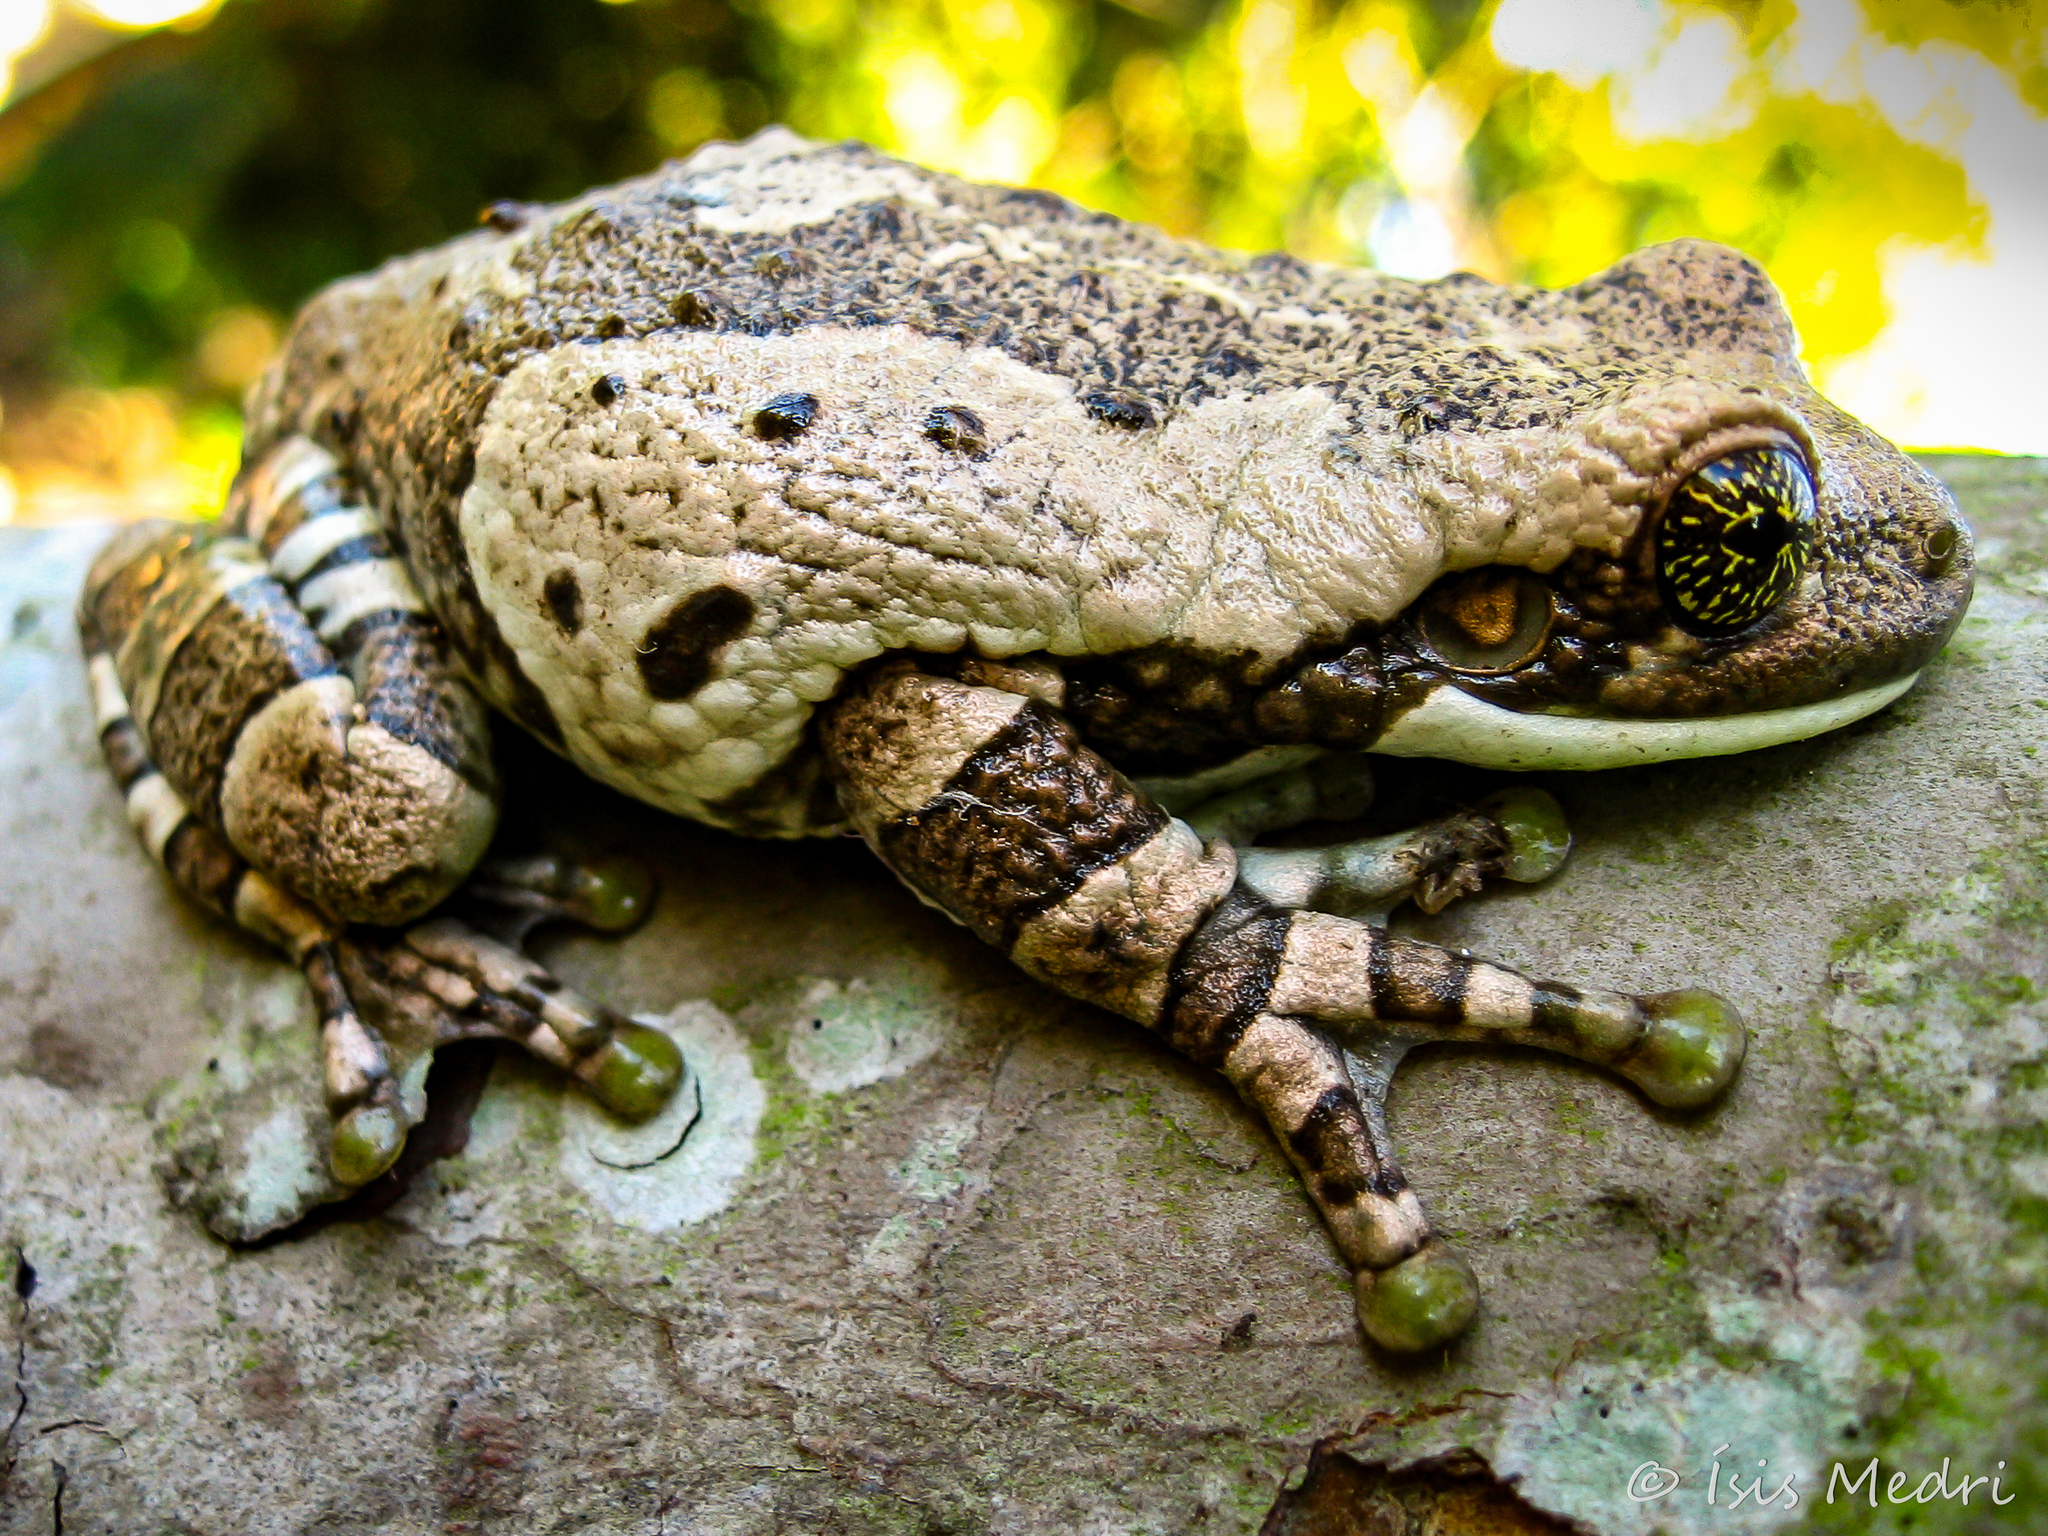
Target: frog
x=798 y=490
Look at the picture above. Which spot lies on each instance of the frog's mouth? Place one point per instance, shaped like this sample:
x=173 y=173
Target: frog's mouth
x=1452 y=723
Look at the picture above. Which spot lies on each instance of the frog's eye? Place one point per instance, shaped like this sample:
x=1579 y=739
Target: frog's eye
x=1734 y=539
x=1490 y=620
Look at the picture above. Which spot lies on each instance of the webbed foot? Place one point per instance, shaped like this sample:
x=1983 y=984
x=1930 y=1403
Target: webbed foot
x=403 y=994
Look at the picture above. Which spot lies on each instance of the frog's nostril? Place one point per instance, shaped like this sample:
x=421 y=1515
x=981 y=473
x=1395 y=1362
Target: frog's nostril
x=1938 y=551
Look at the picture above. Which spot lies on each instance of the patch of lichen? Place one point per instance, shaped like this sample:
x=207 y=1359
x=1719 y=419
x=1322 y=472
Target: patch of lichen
x=1939 y=1022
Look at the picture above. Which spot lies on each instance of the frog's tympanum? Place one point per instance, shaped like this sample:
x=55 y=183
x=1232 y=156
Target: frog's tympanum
x=795 y=489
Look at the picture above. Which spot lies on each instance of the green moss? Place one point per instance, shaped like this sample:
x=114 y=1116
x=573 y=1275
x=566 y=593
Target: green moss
x=1877 y=929
x=1571 y=1116
x=793 y=1115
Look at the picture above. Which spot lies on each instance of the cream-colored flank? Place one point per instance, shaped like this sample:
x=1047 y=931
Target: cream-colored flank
x=1232 y=528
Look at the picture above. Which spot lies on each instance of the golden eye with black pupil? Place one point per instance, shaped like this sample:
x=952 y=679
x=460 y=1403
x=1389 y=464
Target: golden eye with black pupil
x=1491 y=620
x=1734 y=539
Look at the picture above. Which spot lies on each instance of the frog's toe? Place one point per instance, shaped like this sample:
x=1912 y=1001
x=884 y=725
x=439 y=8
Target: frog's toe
x=1539 y=837
x=1691 y=1051
x=608 y=895
x=1421 y=1303
x=612 y=898
x=634 y=1073
x=489 y=988
x=367 y=1141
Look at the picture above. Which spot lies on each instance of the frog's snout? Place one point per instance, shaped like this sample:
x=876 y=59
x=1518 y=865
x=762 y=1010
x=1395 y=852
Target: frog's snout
x=1938 y=548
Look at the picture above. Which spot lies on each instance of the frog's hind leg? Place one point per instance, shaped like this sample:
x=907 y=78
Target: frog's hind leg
x=301 y=757
x=991 y=808
x=363 y=1094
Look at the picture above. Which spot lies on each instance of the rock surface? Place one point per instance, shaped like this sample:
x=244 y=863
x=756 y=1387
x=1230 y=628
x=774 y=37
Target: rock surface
x=946 y=1253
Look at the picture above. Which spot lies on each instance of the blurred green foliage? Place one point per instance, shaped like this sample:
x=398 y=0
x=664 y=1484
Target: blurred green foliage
x=184 y=178
x=293 y=141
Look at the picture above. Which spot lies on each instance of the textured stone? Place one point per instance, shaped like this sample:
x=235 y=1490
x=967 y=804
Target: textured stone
x=949 y=1253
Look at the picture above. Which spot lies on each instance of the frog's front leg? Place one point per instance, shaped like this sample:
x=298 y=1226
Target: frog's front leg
x=988 y=804
x=1517 y=834
x=295 y=750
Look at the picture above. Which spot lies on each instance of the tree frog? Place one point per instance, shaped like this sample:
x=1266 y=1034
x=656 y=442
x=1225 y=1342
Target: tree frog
x=798 y=490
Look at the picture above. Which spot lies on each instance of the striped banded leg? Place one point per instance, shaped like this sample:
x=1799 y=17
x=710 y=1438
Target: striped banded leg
x=333 y=561
x=362 y=1093
x=989 y=807
x=372 y=803
x=445 y=981
x=361 y=795
x=1362 y=983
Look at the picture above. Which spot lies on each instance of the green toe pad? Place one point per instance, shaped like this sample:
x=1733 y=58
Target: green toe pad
x=1539 y=838
x=613 y=897
x=1693 y=1049
x=1424 y=1301
x=634 y=1074
x=367 y=1140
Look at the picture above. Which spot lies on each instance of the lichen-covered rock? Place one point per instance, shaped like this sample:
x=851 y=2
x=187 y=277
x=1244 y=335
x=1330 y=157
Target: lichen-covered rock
x=925 y=1247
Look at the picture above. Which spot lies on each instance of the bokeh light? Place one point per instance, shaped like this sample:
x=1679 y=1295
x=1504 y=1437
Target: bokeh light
x=23 y=24
x=174 y=179
x=138 y=14
x=1958 y=319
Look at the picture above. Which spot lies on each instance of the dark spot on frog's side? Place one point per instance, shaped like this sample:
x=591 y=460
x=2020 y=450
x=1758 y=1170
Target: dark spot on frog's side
x=1123 y=408
x=695 y=308
x=608 y=389
x=785 y=416
x=676 y=654
x=565 y=600
x=958 y=428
